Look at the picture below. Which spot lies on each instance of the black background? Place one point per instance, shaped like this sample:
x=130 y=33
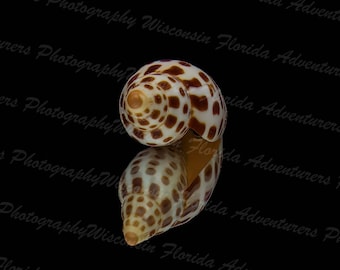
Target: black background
x=251 y=134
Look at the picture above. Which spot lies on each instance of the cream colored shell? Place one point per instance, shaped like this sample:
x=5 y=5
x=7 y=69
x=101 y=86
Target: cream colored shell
x=166 y=98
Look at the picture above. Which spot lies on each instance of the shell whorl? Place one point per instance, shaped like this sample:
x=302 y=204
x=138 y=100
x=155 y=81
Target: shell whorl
x=166 y=98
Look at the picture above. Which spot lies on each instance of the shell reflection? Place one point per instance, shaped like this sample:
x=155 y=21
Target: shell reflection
x=164 y=187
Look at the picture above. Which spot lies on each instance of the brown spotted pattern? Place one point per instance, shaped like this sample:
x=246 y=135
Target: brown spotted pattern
x=179 y=97
x=154 y=193
x=151 y=191
x=158 y=105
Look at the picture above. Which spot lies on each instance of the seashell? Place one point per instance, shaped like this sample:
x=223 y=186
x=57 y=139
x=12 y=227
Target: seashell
x=165 y=187
x=166 y=98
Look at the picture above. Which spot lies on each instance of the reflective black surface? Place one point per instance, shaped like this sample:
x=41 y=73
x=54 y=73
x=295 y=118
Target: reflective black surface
x=63 y=149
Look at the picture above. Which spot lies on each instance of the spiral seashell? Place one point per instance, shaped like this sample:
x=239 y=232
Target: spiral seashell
x=164 y=187
x=166 y=98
